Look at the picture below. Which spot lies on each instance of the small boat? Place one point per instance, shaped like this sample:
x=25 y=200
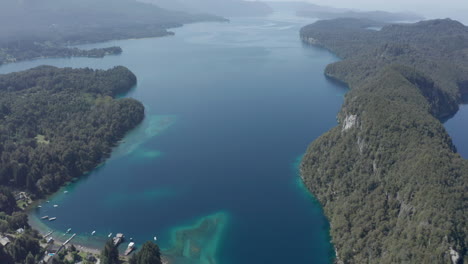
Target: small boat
x=55 y=205
x=52 y=218
x=65 y=192
x=68 y=231
x=109 y=235
x=155 y=238
x=92 y=233
x=39 y=206
x=44 y=217
x=48 y=201
x=130 y=248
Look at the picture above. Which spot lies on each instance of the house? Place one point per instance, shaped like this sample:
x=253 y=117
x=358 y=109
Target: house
x=4 y=241
x=20 y=230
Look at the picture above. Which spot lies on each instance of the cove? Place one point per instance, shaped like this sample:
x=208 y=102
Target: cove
x=212 y=170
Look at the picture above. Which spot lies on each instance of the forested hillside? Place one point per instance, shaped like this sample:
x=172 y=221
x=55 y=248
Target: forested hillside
x=389 y=178
x=30 y=29
x=55 y=125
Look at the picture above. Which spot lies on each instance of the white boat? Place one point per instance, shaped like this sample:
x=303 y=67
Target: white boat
x=55 y=205
x=155 y=238
x=44 y=217
x=130 y=248
x=39 y=206
x=65 y=192
x=92 y=233
x=68 y=231
x=109 y=235
x=52 y=218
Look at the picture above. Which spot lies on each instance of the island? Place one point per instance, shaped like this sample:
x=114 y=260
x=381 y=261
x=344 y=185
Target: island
x=388 y=176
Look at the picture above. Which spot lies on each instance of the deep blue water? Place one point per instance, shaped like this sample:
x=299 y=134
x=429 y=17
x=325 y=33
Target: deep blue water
x=457 y=127
x=230 y=109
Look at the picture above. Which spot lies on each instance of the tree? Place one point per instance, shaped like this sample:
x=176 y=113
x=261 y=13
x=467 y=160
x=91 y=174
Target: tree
x=149 y=254
x=133 y=259
x=30 y=259
x=110 y=254
x=7 y=201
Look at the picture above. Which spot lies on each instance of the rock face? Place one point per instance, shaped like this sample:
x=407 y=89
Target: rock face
x=349 y=122
x=388 y=178
x=454 y=256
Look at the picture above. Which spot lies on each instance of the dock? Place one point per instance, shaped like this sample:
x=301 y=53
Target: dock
x=68 y=240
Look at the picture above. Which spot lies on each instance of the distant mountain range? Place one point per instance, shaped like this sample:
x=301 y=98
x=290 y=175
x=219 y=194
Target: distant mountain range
x=227 y=8
x=323 y=12
x=31 y=29
x=61 y=18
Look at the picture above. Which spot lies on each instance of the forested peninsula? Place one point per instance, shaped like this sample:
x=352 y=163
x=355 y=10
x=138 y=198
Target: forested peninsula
x=55 y=125
x=388 y=176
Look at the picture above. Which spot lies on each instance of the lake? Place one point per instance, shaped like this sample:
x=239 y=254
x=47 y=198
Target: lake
x=212 y=172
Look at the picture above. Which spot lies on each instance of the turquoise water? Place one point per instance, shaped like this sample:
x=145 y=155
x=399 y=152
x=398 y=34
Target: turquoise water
x=212 y=171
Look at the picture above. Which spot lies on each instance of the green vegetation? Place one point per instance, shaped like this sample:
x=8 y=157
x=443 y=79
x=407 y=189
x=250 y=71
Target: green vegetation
x=389 y=177
x=74 y=111
x=110 y=254
x=149 y=254
x=55 y=125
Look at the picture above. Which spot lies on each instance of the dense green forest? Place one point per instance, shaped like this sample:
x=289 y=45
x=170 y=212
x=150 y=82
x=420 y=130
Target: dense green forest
x=388 y=177
x=55 y=125
x=31 y=29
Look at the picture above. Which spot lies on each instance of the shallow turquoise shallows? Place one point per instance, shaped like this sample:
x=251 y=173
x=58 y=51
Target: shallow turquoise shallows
x=212 y=171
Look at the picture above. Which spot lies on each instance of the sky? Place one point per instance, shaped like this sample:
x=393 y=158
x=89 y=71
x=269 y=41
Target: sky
x=456 y=9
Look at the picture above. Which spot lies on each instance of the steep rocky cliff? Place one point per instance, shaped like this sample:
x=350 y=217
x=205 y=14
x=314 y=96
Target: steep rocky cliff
x=388 y=176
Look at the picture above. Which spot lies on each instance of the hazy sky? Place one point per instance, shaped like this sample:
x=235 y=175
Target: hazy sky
x=457 y=9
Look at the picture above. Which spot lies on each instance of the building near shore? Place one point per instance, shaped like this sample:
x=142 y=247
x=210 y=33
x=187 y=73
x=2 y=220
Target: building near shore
x=4 y=241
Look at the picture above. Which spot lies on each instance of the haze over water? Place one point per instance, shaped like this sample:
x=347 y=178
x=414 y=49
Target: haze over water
x=230 y=109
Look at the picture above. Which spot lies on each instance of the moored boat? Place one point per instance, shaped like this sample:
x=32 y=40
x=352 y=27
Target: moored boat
x=52 y=218
x=118 y=239
x=130 y=248
x=44 y=217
